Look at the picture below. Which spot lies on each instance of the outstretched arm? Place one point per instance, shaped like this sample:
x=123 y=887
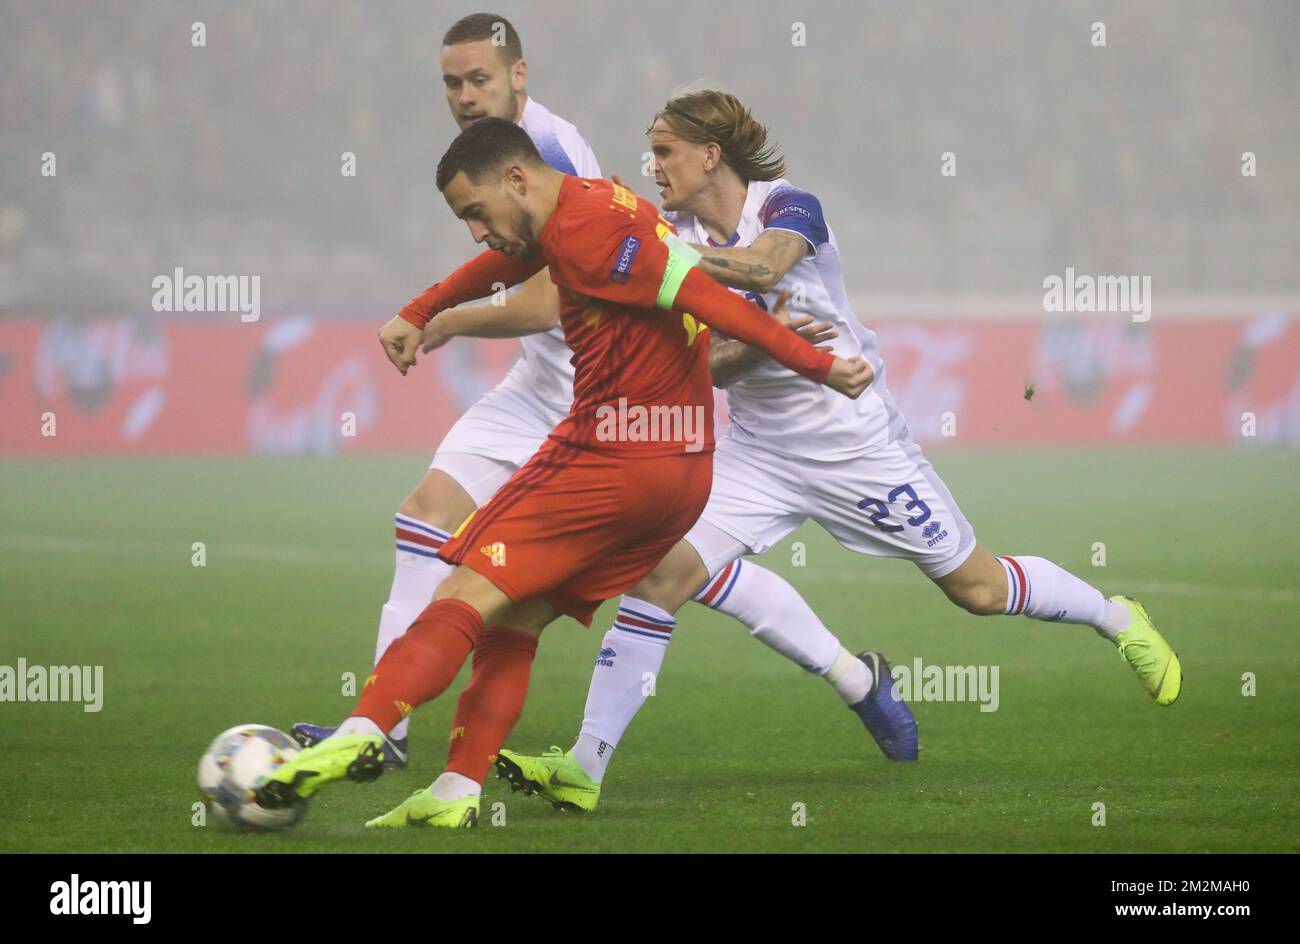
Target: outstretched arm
x=532 y=309
x=719 y=308
x=731 y=360
x=490 y=271
x=757 y=267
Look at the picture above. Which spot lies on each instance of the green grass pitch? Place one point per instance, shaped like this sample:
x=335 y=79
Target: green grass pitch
x=95 y=560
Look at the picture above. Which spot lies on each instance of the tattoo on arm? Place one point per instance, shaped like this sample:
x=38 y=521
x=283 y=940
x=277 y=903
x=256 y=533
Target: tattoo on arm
x=755 y=270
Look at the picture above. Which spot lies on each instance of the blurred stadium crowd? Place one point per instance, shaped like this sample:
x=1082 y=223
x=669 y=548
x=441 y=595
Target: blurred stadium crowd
x=226 y=158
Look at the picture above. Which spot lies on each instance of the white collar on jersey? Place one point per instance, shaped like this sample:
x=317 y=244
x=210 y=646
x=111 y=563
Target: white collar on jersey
x=533 y=113
x=748 y=227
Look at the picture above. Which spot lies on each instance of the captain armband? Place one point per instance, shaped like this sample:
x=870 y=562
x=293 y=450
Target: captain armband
x=682 y=257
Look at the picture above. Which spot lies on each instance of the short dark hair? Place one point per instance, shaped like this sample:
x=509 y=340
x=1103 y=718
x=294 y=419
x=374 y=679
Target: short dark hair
x=484 y=146
x=478 y=26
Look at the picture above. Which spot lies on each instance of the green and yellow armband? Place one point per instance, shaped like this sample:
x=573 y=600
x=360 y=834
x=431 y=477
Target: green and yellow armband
x=682 y=257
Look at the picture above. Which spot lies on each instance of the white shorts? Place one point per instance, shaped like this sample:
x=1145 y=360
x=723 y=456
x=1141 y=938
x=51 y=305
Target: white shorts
x=496 y=436
x=890 y=503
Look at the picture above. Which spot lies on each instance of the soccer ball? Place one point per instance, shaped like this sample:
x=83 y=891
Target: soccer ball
x=235 y=764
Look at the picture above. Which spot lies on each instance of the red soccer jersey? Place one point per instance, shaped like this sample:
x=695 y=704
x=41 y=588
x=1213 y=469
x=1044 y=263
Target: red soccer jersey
x=641 y=378
x=641 y=362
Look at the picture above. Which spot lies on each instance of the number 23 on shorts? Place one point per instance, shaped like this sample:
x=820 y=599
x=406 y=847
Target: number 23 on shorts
x=881 y=509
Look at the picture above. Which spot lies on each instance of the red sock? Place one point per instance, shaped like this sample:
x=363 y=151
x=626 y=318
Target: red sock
x=493 y=701
x=419 y=665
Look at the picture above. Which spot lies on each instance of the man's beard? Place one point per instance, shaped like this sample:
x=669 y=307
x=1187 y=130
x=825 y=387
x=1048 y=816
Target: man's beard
x=524 y=244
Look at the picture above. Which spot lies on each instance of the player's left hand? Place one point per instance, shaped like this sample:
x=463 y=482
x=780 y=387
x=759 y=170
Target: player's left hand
x=400 y=339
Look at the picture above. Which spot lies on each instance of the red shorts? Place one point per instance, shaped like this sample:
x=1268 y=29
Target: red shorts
x=577 y=528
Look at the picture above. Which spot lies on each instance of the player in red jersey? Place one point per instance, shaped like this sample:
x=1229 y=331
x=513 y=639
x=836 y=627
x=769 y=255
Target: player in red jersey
x=618 y=483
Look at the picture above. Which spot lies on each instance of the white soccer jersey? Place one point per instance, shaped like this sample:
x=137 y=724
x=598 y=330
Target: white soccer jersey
x=775 y=407
x=798 y=451
x=545 y=369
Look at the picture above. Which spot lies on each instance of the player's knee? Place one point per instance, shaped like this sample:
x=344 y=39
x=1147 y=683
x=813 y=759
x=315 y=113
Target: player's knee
x=666 y=588
x=437 y=506
x=415 y=506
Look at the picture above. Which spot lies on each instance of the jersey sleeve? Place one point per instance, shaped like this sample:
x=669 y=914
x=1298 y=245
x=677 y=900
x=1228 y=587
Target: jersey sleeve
x=728 y=312
x=567 y=151
x=606 y=254
x=797 y=211
x=477 y=278
x=583 y=157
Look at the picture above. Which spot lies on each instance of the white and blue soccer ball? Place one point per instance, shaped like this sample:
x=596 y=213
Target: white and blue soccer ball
x=236 y=763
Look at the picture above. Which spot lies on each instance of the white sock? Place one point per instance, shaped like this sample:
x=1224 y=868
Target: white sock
x=454 y=786
x=1114 y=619
x=1039 y=589
x=357 y=726
x=631 y=655
x=593 y=755
x=415 y=578
x=774 y=613
x=850 y=677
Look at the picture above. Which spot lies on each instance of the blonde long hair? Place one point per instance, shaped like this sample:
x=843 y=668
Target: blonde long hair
x=710 y=115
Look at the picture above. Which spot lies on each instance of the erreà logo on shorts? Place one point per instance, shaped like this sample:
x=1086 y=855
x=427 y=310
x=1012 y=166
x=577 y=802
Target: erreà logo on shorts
x=76 y=897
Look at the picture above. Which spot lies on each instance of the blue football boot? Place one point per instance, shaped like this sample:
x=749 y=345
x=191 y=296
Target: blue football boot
x=887 y=717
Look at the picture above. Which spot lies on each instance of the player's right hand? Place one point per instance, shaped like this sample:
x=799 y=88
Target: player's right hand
x=400 y=340
x=850 y=377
